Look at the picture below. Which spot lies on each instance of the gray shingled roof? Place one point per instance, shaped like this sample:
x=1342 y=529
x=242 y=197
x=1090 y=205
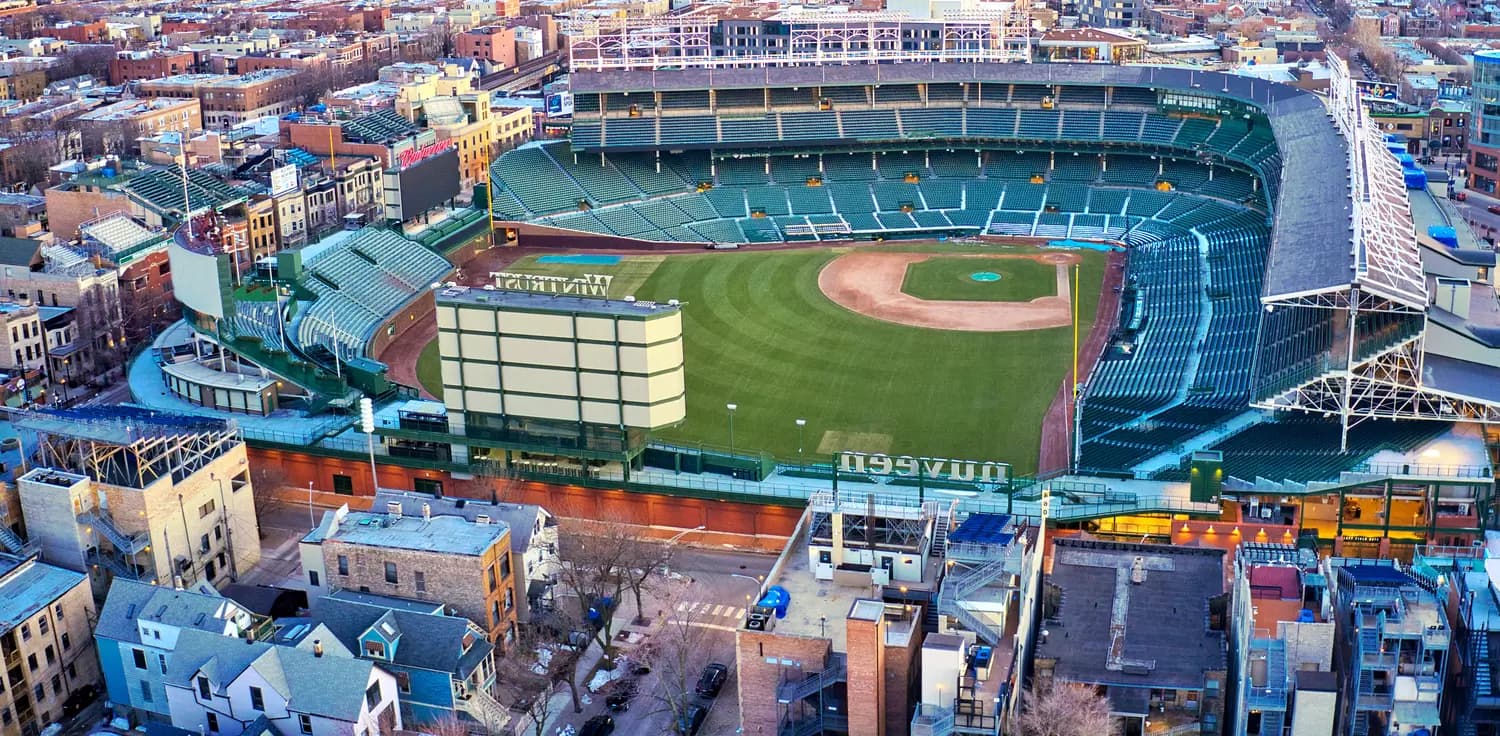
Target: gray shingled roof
x=427 y=641
x=332 y=686
x=129 y=601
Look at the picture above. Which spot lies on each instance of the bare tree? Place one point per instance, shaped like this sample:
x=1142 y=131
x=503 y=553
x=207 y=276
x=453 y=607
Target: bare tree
x=1065 y=709
x=265 y=480
x=541 y=659
x=677 y=653
x=598 y=569
x=445 y=726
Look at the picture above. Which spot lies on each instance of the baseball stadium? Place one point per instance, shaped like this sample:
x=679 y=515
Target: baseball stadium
x=1157 y=296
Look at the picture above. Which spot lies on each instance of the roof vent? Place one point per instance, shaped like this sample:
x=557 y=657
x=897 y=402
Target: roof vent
x=1138 y=570
x=317 y=647
x=393 y=508
x=482 y=519
x=426 y=512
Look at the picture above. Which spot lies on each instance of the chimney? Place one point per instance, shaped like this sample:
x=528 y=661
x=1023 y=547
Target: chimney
x=426 y=512
x=317 y=647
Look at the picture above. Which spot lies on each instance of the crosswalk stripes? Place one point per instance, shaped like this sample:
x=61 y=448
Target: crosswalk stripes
x=705 y=609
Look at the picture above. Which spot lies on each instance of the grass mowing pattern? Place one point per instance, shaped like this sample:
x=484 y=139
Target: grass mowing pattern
x=760 y=334
x=1021 y=280
x=430 y=369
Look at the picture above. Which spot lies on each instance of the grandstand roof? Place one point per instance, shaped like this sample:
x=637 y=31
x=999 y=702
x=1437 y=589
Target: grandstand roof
x=1311 y=246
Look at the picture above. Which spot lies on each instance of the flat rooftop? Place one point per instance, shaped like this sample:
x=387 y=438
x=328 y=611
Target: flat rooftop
x=818 y=607
x=1112 y=630
x=532 y=301
x=440 y=534
x=28 y=586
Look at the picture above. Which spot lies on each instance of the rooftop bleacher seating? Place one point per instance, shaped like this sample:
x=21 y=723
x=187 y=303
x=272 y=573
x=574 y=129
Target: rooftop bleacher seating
x=360 y=282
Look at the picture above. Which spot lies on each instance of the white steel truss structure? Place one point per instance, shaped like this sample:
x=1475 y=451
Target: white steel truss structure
x=802 y=37
x=1381 y=376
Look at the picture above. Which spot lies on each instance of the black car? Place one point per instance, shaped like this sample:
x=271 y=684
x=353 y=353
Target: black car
x=691 y=720
x=619 y=700
x=712 y=680
x=598 y=726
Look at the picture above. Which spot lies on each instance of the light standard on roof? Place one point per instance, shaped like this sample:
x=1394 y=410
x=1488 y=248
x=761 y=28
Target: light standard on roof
x=731 y=407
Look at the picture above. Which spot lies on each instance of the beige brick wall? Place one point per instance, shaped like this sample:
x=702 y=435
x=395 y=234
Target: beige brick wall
x=72 y=665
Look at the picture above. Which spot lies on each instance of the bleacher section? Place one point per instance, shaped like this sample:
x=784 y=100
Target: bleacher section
x=359 y=282
x=1303 y=450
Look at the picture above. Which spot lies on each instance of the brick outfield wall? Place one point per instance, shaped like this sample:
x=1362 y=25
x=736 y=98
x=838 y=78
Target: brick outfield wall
x=740 y=525
x=410 y=317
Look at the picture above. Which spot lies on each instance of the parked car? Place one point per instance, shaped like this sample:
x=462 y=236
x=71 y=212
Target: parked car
x=1494 y=209
x=691 y=720
x=598 y=726
x=619 y=700
x=712 y=680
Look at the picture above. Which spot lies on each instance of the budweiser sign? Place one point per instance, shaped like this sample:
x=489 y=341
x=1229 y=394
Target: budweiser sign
x=414 y=156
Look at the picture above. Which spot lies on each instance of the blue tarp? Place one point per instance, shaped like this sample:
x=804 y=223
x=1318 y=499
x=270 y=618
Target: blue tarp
x=1443 y=234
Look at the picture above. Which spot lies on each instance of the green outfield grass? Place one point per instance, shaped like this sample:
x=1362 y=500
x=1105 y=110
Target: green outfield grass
x=759 y=333
x=430 y=370
x=1021 y=279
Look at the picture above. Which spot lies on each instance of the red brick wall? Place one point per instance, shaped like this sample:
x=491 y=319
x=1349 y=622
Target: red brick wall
x=645 y=509
x=866 y=661
x=541 y=236
x=758 y=678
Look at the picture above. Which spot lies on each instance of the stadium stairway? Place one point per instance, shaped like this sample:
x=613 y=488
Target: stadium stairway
x=1172 y=457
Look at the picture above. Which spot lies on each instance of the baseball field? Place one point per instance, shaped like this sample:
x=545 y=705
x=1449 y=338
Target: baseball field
x=924 y=349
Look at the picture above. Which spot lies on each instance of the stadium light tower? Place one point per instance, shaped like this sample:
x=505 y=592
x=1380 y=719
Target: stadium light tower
x=731 y=407
x=367 y=423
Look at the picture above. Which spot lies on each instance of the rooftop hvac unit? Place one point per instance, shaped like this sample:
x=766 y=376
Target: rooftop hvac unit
x=393 y=508
x=880 y=576
x=482 y=519
x=758 y=622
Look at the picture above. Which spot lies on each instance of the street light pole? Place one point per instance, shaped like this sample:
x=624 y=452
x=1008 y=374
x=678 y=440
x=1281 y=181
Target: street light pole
x=311 y=521
x=801 y=430
x=666 y=564
x=731 y=408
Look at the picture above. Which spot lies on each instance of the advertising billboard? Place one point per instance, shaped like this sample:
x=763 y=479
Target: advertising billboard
x=283 y=179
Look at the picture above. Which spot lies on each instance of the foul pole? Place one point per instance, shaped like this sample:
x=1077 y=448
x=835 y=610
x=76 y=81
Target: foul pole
x=1073 y=390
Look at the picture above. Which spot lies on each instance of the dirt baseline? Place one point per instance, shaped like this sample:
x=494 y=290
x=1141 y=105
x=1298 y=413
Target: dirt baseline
x=869 y=283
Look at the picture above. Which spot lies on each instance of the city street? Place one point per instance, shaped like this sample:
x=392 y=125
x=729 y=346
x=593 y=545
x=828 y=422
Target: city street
x=692 y=616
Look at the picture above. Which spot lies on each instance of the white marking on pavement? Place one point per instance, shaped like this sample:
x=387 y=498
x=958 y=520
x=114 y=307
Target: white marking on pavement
x=681 y=607
x=715 y=627
x=718 y=611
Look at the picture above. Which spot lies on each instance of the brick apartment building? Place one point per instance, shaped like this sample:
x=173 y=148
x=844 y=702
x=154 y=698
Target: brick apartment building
x=493 y=43
x=230 y=99
x=135 y=66
x=95 y=32
x=115 y=128
x=464 y=564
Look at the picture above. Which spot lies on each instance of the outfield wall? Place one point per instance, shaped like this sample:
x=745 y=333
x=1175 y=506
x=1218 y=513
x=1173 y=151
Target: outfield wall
x=409 y=318
x=769 y=523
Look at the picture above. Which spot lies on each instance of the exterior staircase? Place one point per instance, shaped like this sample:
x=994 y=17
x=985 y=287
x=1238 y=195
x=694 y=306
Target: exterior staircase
x=12 y=543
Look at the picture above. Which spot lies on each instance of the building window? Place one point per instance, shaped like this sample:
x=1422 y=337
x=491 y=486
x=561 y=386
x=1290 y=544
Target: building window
x=140 y=658
x=203 y=689
x=390 y=573
x=312 y=578
x=343 y=485
x=41 y=625
x=206 y=509
x=145 y=691
x=66 y=643
x=421 y=581
x=58 y=611
x=504 y=567
x=257 y=700
x=375 y=649
x=161 y=663
x=490 y=576
x=304 y=721
x=25 y=632
x=50 y=653
x=372 y=695
x=31 y=661
x=213 y=722
x=343 y=565
x=403 y=681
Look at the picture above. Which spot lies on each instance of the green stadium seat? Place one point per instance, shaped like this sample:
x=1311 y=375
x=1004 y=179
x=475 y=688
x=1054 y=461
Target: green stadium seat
x=1082 y=125
x=851 y=198
x=770 y=200
x=844 y=167
x=942 y=194
x=932 y=123
x=870 y=125
x=749 y=129
x=809 y=200
x=728 y=201
x=809 y=126
x=693 y=99
x=1039 y=125
x=639 y=132
x=697 y=129
x=603 y=183
x=737 y=171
